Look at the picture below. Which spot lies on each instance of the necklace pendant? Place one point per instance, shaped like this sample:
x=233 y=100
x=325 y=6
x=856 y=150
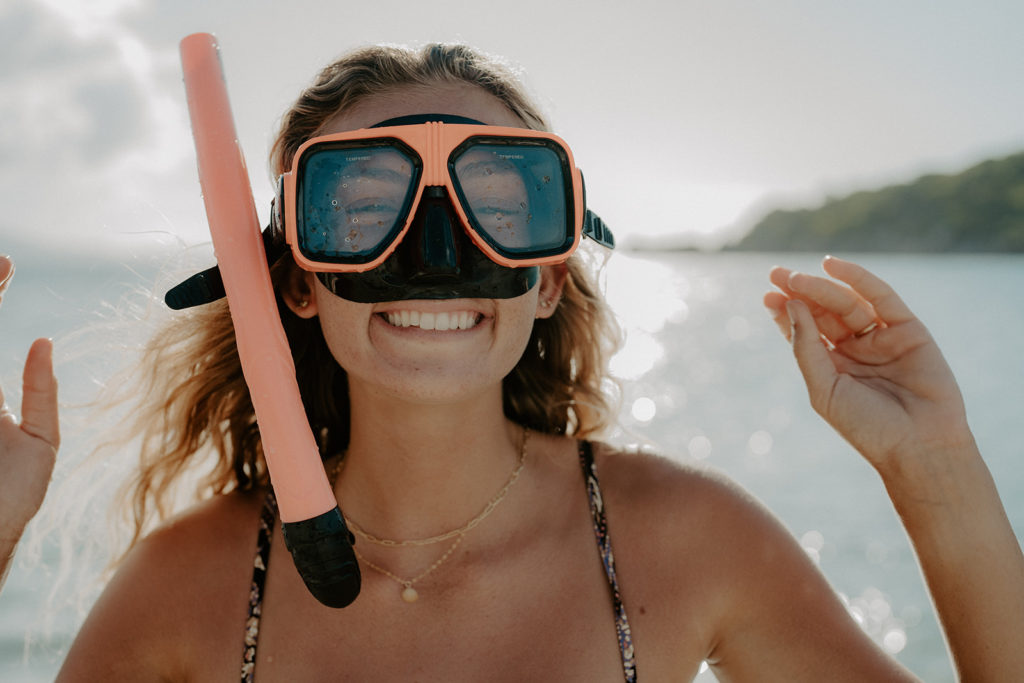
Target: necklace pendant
x=410 y=594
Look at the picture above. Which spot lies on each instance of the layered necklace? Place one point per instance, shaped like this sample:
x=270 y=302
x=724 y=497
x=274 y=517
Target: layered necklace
x=410 y=594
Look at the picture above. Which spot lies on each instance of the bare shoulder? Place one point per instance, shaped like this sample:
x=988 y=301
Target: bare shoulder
x=677 y=522
x=179 y=587
x=696 y=523
x=644 y=486
x=703 y=561
x=204 y=533
x=213 y=536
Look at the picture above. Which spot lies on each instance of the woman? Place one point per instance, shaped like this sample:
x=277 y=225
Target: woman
x=457 y=456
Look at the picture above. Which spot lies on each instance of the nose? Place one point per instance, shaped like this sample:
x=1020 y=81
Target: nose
x=433 y=248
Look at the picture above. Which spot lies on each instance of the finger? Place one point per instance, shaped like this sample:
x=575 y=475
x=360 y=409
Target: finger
x=887 y=304
x=779 y=276
x=828 y=324
x=811 y=355
x=844 y=304
x=775 y=303
x=6 y=271
x=39 y=396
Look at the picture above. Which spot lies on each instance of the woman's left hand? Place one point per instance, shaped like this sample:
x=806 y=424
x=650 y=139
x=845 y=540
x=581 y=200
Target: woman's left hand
x=871 y=368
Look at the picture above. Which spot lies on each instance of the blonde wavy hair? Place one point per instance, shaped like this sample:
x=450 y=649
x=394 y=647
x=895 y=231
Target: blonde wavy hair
x=196 y=404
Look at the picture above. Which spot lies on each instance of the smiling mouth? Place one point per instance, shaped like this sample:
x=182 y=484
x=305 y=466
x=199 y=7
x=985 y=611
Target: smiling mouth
x=455 y=320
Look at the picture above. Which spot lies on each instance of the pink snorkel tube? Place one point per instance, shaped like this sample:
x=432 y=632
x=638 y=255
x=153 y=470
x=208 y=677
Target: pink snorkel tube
x=314 y=529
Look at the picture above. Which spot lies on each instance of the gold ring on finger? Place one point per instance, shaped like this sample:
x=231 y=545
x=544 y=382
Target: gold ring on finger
x=867 y=330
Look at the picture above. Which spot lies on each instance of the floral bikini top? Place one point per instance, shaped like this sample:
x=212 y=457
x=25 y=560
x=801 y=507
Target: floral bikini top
x=268 y=518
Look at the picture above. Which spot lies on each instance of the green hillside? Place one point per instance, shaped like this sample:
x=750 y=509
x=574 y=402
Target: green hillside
x=978 y=210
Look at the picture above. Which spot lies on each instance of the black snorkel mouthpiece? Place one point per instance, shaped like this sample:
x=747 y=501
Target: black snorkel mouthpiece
x=321 y=548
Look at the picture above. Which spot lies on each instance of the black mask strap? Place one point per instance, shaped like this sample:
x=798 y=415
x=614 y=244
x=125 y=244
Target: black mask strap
x=414 y=119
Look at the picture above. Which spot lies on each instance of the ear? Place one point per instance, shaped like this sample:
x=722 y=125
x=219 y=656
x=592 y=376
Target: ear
x=552 y=282
x=299 y=292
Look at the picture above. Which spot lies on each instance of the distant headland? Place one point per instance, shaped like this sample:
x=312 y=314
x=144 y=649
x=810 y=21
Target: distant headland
x=978 y=210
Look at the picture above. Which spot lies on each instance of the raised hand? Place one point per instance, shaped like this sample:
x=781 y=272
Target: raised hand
x=28 y=447
x=875 y=374
x=871 y=368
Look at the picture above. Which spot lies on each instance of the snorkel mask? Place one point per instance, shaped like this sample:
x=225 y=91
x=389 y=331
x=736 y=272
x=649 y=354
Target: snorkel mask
x=437 y=209
x=429 y=206
x=432 y=206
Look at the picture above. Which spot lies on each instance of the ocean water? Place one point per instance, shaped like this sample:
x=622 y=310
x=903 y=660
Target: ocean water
x=706 y=378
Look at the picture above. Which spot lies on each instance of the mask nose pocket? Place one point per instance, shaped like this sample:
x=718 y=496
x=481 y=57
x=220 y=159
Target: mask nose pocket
x=436 y=239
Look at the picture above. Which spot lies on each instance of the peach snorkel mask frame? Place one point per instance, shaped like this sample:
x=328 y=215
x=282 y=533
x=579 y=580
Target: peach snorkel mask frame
x=313 y=526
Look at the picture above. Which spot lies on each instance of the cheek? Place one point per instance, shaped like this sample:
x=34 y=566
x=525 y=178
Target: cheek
x=344 y=325
x=515 y=326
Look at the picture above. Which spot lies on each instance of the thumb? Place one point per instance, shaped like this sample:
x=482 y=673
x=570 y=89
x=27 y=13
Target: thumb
x=812 y=356
x=39 y=394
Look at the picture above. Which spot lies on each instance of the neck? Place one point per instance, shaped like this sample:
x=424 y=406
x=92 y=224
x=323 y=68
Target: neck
x=414 y=470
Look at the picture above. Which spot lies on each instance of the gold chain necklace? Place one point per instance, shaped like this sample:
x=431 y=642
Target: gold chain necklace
x=409 y=594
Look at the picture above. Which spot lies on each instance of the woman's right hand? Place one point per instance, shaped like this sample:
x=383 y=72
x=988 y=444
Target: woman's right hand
x=28 y=447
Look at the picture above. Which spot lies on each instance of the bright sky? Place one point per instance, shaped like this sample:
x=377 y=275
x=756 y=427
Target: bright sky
x=687 y=117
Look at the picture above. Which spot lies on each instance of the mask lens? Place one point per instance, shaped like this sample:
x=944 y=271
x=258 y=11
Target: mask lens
x=353 y=199
x=516 y=195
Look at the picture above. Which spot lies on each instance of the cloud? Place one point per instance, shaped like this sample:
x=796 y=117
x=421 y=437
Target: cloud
x=67 y=96
x=114 y=111
x=94 y=124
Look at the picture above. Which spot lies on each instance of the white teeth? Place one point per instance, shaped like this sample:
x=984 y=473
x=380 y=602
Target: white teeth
x=456 y=320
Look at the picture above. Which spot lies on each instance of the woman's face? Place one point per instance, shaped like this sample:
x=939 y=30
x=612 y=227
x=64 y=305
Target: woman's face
x=437 y=350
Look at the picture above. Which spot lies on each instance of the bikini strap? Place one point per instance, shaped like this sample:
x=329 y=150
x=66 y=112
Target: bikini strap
x=604 y=546
x=268 y=516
